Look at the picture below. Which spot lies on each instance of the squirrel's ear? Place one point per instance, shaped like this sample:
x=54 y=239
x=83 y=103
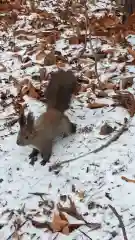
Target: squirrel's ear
x=22 y=120
x=30 y=121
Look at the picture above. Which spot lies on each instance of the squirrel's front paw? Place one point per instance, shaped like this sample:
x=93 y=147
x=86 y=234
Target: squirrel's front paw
x=33 y=160
x=73 y=127
x=33 y=156
x=34 y=153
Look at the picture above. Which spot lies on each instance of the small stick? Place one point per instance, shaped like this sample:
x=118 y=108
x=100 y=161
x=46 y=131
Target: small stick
x=55 y=236
x=17 y=229
x=91 y=46
x=85 y=234
x=120 y=221
x=38 y=194
x=114 y=138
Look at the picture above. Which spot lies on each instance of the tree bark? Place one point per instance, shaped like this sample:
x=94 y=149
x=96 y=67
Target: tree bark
x=129 y=6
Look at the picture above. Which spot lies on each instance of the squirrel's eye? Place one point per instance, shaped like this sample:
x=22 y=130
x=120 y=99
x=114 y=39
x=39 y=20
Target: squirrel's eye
x=26 y=137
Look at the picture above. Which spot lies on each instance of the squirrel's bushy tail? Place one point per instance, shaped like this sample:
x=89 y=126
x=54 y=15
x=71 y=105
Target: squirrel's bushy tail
x=59 y=91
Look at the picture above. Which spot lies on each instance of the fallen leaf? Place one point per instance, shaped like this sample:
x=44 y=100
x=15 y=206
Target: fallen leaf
x=2 y=68
x=50 y=59
x=127 y=179
x=126 y=82
x=74 y=226
x=131 y=52
x=16 y=236
x=81 y=194
x=58 y=223
x=106 y=129
x=125 y=99
x=101 y=94
x=41 y=224
x=19 y=106
x=30 y=90
x=40 y=56
x=107 y=85
x=65 y=230
x=97 y=105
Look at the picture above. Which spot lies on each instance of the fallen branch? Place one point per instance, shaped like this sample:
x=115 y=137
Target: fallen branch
x=120 y=221
x=113 y=139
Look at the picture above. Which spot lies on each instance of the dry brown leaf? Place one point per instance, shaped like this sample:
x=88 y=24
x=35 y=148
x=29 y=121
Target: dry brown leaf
x=106 y=129
x=71 y=210
x=126 y=82
x=97 y=105
x=50 y=59
x=101 y=94
x=41 y=224
x=127 y=179
x=2 y=68
x=16 y=236
x=73 y=40
x=131 y=52
x=40 y=56
x=30 y=90
x=74 y=226
x=58 y=223
x=65 y=230
x=126 y=99
x=77 y=39
x=107 y=85
x=19 y=84
x=19 y=106
x=81 y=194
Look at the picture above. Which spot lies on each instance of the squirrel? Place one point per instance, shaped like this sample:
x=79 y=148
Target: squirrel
x=41 y=132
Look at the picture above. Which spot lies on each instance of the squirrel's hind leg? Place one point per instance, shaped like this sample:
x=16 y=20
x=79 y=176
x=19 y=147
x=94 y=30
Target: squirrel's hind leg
x=33 y=156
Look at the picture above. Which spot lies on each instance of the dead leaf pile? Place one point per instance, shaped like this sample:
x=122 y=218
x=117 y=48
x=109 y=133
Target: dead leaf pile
x=125 y=99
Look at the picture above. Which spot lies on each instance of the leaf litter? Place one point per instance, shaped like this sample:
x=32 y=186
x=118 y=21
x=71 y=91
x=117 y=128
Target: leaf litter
x=37 y=38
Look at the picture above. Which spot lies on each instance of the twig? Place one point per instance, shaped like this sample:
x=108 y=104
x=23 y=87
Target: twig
x=91 y=46
x=114 y=138
x=38 y=194
x=55 y=236
x=120 y=221
x=85 y=234
x=80 y=54
x=17 y=229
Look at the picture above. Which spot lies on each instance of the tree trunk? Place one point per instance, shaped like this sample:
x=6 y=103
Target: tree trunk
x=129 y=6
